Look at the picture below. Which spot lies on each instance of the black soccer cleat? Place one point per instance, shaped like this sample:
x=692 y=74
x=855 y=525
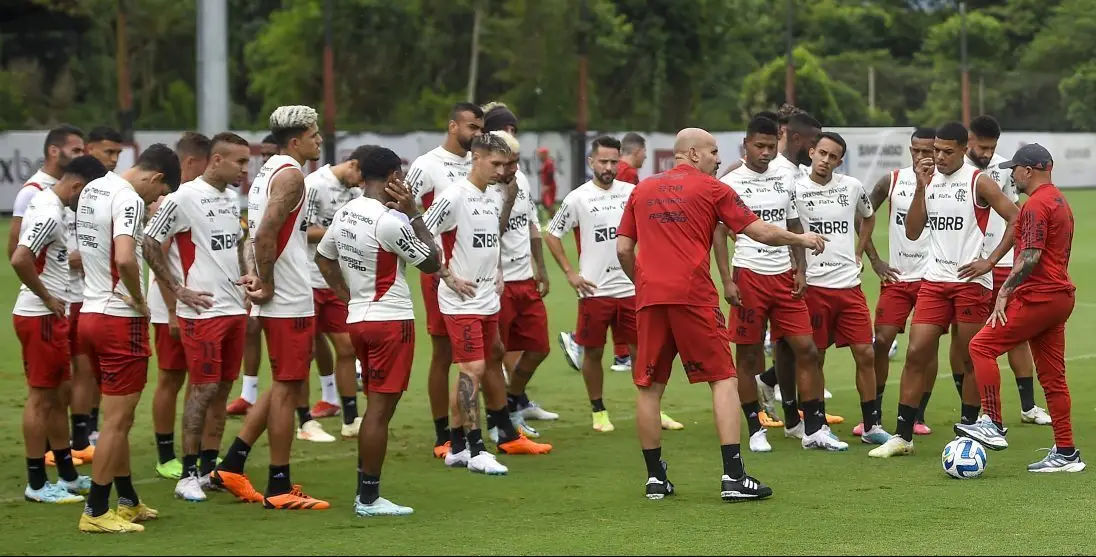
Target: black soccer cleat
x=743 y=489
x=657 y=489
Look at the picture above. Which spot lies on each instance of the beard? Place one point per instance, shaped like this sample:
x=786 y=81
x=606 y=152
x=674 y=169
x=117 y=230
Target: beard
x=607 y=177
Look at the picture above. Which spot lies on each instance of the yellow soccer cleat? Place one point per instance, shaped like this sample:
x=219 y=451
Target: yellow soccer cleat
x=140 y=513
x=108 y=523
x=670 y=423
x=895 y=446
x=602 y=423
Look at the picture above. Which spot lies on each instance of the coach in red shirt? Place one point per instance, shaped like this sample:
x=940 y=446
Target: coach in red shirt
x=673 y=215
x=547 y=181
x=1033 y=306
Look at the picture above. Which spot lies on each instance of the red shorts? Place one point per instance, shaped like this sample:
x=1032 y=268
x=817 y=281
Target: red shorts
x=596 y=315
x=435 y=322
x=289 y=341
x=74 y=329
x=941 y=303
x=699 y=334
x=214 y=348
x=839 y=316
x=386 y=350
x=523 y=321
x=119 y=351
x=170 y=355
x=1000 y=275
x=767 y=298
x=330 y=311
x=472 y=336
x=896 y=302
x=45 y=342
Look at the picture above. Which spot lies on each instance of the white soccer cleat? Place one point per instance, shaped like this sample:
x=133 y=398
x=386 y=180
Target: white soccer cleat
x=572 y=352
x=797 y=432
x=766 y=397
x=1036 y=416
x=522 y=427
x=768 y=344
x=826 y=394
x=493 y=435
x=486 y=463
x=893 y=349
x=189 y=489
x=759 y=442
x=358 y=373
x=458 y=460
x=534 y=412
x=51 y=493
x=380 y=507
x=350 y=430
x=313 y=431
x=825 y=440
x=895 y=446
x=875 y=436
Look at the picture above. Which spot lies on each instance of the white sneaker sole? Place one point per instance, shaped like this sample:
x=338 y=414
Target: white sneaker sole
x=1074 y=467
x=190 y=499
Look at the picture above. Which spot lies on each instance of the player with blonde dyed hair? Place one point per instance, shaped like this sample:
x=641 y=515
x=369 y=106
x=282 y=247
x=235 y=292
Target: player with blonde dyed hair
x=278 y=286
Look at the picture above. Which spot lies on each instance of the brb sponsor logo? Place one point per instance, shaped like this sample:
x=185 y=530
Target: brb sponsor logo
x=830 y=227
x=605 y=233
x=771 y=215
x=485 y=240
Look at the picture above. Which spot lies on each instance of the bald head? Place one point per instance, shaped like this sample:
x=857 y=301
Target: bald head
x=697 y=148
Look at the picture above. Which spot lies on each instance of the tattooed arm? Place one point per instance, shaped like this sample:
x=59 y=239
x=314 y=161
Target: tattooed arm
x=1025 y=263
x=286 y=192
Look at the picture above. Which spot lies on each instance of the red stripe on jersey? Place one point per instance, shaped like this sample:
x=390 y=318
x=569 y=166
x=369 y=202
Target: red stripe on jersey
x=386 y=273
x=578 y=240
x=981 y=214
x=448 y=244
x=288 y=228
x=890 y=194
x=185 y=243
x=427 y=200
x=40 y=261
x=35 y=184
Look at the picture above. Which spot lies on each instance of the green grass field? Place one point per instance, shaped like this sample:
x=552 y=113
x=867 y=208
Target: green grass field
x=587 y=496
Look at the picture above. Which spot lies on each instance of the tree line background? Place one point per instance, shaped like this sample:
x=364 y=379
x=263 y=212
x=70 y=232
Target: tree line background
x=655 y=65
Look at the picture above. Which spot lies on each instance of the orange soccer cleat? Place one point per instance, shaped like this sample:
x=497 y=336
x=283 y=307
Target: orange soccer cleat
x=441 y=450
x=524 y=445
x=238 y=407
x=769 y=421
x=236 y=484
x=324 y=409
x=295 y=500
x=51 y=460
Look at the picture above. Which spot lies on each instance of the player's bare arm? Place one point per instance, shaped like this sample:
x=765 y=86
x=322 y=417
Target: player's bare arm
x=129 y=271
x=156 y=256
x=23 y=262
x=799 y=259
x=576 y=280
x=768 y=234
x=509 y=197
x=882 y=268
x=540 y=270
x=13 y=235
x=867 y=226
x=722 y=251
x=329 y=268
x=626 y=253
x=989 y=192
x=918 y=215
x=285 y=194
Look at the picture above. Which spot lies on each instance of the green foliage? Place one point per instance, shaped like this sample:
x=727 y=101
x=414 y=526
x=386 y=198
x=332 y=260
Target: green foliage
x=652 y=64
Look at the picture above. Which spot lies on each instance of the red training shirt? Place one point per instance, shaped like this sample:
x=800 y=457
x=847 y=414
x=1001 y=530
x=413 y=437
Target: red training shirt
x=672 y=216
x=627 y=173
x=548 y=173
x=1046 y=223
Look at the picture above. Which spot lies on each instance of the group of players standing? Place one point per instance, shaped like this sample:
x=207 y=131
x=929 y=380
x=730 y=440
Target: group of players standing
x=82 y=232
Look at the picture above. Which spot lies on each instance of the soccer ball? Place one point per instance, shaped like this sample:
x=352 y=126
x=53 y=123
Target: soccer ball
x=964 y=458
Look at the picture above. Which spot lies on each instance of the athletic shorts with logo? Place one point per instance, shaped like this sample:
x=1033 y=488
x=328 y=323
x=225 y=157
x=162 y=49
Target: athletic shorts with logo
x=698 y=334
x=942 y=303
x=45 y=344
x=767 y=299
x=896 y=303
x=839 y=316
x=289 y=340
x=118 y=349
x=472 y=336
x=214 y=348
x=386 y=350
x=597 y=314
x=523 y=320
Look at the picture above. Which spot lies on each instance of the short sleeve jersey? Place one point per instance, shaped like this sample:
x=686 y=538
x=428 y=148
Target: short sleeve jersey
x=431 y=174
x=771 y=196
x=109 y=208
x=326 y=194
x=38 y=182
x=44 y=231
x=1046 y=223
x=204 y=225
x=467 y=219
x=831 y=210
x=373 y=248
x=672 y=216
x=594 y=214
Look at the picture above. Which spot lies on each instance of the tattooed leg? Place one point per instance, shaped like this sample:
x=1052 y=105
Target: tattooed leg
x=194 y=421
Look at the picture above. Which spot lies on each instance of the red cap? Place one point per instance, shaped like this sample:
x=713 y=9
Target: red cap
x=542 y=150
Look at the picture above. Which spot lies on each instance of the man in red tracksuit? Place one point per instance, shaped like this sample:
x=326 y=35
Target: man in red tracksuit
x=1033 y=306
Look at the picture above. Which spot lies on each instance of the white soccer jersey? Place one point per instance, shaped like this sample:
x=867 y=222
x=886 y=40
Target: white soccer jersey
x=373 y=248
x=326 y=195
x=831 y=210
x=109 y=208
x=771 y=196
x=956 y=225
x=292 y=288
x=38 y=182
x=595 y=213
x=995 y=229
x=76 y=277
x=784 y=163
x=45 y=232
x=205 y=226
x=910 y=257
x=431 y=174
x=517 y=256
x=468 y=221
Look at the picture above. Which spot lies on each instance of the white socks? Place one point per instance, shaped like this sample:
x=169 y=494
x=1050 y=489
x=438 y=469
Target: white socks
x=250 y=391
x=328 y=392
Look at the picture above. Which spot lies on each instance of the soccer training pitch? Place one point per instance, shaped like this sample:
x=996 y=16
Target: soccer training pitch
x=587 y=496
